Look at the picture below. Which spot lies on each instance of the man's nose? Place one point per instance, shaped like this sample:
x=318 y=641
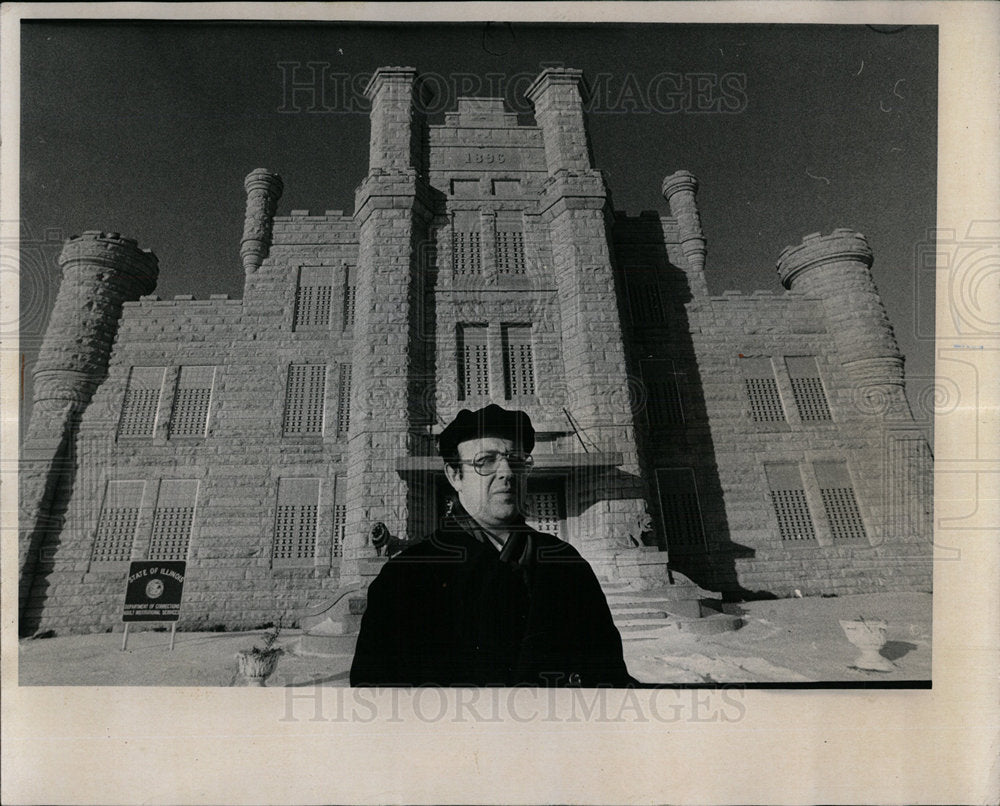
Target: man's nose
x=503 y=467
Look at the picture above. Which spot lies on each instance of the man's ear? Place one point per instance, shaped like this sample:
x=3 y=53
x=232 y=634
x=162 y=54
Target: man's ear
x=454 y=476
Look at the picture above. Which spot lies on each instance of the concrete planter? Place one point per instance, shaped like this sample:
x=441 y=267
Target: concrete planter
x=256 y=667
x=869 y=637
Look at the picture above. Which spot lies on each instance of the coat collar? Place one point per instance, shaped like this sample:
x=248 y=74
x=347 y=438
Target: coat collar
x=518 y=549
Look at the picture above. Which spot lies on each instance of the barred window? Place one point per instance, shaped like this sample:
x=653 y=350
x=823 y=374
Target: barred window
x=510 y=252
x=663 y=398
x=339 y=518
x=466 y=251
x=807 y=388
x=142 y=400
x=839 y=501
x=296 y=519
x=118 y=520
x=344 y=399
x=762 y=390
x=304 y=394
x=788 y=497
x=542 y=512
x=192 y=401
x=350 y=297
x=173 y=519
x=313 y=298
x=519 y=363
x=473 y=362
x=682 y=522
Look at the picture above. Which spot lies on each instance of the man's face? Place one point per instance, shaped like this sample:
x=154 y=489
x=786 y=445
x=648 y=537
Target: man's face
x=494 y=500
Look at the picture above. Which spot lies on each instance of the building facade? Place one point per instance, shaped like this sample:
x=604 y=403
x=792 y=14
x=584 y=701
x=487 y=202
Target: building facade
x=260 y=438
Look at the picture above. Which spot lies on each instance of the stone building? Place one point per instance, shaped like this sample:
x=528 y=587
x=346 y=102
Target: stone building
x=767 y=435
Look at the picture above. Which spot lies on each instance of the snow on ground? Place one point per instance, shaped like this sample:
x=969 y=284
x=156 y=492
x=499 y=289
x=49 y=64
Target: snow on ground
x=783 y=641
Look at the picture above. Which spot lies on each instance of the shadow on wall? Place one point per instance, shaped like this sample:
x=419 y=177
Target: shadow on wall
x=687 y=502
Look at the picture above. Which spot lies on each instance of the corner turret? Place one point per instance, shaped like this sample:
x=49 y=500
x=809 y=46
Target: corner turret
x=835 y=268
x=680 y=190
x=101 y=271
x=263 y=191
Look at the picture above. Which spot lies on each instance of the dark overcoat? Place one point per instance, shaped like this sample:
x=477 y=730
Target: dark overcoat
x=452 y=610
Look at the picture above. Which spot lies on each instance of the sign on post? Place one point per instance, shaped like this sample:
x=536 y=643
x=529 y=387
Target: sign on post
x=153 y=593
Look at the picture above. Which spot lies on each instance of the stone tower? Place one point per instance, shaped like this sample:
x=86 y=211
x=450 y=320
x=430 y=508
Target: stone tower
x=100 y=272
x=680 y=190
x=836 y=269
x=263 y=190
x=392 y=211
x=575 y=205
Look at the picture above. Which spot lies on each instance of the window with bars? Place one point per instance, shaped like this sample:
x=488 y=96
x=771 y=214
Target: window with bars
x=304 y=394
x=510 y=252
x=518 y=361
x=762 y=390
x=807 y=388
x=543 y=512
x=466 y=249
x=473 y=362
x=343 y=399
x=684 y=529
x=313 y=298
x=466 y=253
x=663 y=398
x=173 y=519
x=141 y=403
x=839 y=501
x=192 y=401
x=339 y=517
x=296 y=520
x=350 y=297
x=788 y=497
x=117 y=522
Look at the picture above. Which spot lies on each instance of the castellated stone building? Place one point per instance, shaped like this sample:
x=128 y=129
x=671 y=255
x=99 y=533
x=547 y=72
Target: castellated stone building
x=768 y=435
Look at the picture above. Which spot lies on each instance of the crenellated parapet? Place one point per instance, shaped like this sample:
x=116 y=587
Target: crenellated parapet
x=263 y=189
x=101 y=271
x=680 y=190
x=836 y=269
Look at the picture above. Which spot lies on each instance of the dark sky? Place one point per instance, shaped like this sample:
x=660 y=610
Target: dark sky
x=149 y=129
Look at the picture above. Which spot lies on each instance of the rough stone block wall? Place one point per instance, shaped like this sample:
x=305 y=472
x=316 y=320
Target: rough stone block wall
x=601 y=295
x=238 y=463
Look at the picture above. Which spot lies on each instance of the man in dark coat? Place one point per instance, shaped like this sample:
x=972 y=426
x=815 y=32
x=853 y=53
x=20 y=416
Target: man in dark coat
x=486 y=600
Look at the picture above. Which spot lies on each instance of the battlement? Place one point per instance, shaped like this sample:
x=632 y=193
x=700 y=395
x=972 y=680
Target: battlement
x=481 y=113
x=817 y=249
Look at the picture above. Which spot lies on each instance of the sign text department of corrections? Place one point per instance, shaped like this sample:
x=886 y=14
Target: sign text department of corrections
x=153 y=591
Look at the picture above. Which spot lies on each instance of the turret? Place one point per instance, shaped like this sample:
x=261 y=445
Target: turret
x=836 y=268
x=680 y=189
x=263 y=191
x=100 y=272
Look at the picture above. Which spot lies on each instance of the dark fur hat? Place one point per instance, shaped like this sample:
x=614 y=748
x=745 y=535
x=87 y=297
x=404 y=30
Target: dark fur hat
x=490 y=421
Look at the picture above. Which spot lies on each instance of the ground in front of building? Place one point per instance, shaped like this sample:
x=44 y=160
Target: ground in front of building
x=782 y=641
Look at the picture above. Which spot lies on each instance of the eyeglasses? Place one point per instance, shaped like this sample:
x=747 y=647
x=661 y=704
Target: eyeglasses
x=486 y=463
